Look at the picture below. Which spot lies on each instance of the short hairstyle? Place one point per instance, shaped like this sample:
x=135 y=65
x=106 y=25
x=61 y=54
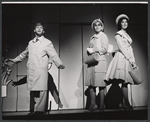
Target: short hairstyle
x=39 y=24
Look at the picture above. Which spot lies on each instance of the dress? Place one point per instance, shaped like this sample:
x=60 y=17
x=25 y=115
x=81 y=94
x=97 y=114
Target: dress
x=119 y=66
x=95 y=74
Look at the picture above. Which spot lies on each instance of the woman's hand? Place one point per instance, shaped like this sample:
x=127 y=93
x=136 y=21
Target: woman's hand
x=90 y=50
x=96 y=50
x=132 y=63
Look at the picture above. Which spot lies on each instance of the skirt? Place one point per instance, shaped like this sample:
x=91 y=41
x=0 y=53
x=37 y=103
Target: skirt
x=95 y=75
x=118 y=70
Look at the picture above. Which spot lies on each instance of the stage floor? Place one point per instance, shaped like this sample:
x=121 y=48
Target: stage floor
x=139 y=113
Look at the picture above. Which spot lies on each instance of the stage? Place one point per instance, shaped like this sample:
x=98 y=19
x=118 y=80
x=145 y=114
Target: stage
x=139 y=113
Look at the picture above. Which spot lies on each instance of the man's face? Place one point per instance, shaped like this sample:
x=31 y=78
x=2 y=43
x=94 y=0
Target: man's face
x=39 y=30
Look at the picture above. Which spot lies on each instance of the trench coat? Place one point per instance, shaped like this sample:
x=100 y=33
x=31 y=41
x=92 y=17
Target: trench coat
x=95 y=74
x=119 y=67
x=39 y=54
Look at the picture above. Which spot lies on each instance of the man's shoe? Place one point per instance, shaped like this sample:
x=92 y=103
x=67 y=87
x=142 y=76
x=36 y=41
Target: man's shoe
x=38 y=113
x=31 y=113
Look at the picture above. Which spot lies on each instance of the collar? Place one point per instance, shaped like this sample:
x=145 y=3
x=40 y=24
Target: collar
x=39 y=39
x=125 y=35
x=97 y=35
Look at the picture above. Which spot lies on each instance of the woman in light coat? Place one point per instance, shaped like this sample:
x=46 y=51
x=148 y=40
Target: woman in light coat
x=123 y=60
x=95 y=74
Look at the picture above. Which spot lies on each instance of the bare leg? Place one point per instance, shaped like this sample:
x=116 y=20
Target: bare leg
x=126 y=104
x=102 y=96
x=92 y=98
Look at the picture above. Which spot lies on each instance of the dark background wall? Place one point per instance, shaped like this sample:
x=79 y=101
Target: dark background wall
x=68 y=26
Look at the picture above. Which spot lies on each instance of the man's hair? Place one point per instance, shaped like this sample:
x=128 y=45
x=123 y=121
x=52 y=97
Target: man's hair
x=39 y=24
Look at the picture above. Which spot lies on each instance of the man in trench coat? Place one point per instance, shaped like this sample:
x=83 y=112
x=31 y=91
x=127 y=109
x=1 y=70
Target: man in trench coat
x=39 y=51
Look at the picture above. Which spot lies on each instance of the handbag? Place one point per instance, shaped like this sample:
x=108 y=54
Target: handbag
x=136 y=76
x=92 y=59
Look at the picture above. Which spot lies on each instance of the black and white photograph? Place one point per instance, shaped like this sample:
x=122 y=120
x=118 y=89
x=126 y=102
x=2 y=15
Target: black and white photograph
x=74 y=61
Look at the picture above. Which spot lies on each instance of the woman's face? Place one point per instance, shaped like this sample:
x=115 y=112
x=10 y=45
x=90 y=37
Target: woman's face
x=97 y=27
x=124 y=24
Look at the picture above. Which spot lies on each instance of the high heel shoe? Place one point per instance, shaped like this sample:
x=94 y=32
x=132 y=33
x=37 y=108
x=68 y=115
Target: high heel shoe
x=127 y=108
x=93 y=107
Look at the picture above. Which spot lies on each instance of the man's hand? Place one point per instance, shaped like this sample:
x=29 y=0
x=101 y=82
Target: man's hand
x=9 y=62
x=61 y=66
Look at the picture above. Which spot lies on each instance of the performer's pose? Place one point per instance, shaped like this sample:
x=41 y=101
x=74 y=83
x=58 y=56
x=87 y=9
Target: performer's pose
x=123 y=60
x=39 y=51
x=51 y=87
x=95 y=74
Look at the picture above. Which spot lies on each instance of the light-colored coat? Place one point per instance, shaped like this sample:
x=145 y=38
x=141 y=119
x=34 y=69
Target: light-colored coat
x=38 y=53
x=95 y=74
x=119 y=66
